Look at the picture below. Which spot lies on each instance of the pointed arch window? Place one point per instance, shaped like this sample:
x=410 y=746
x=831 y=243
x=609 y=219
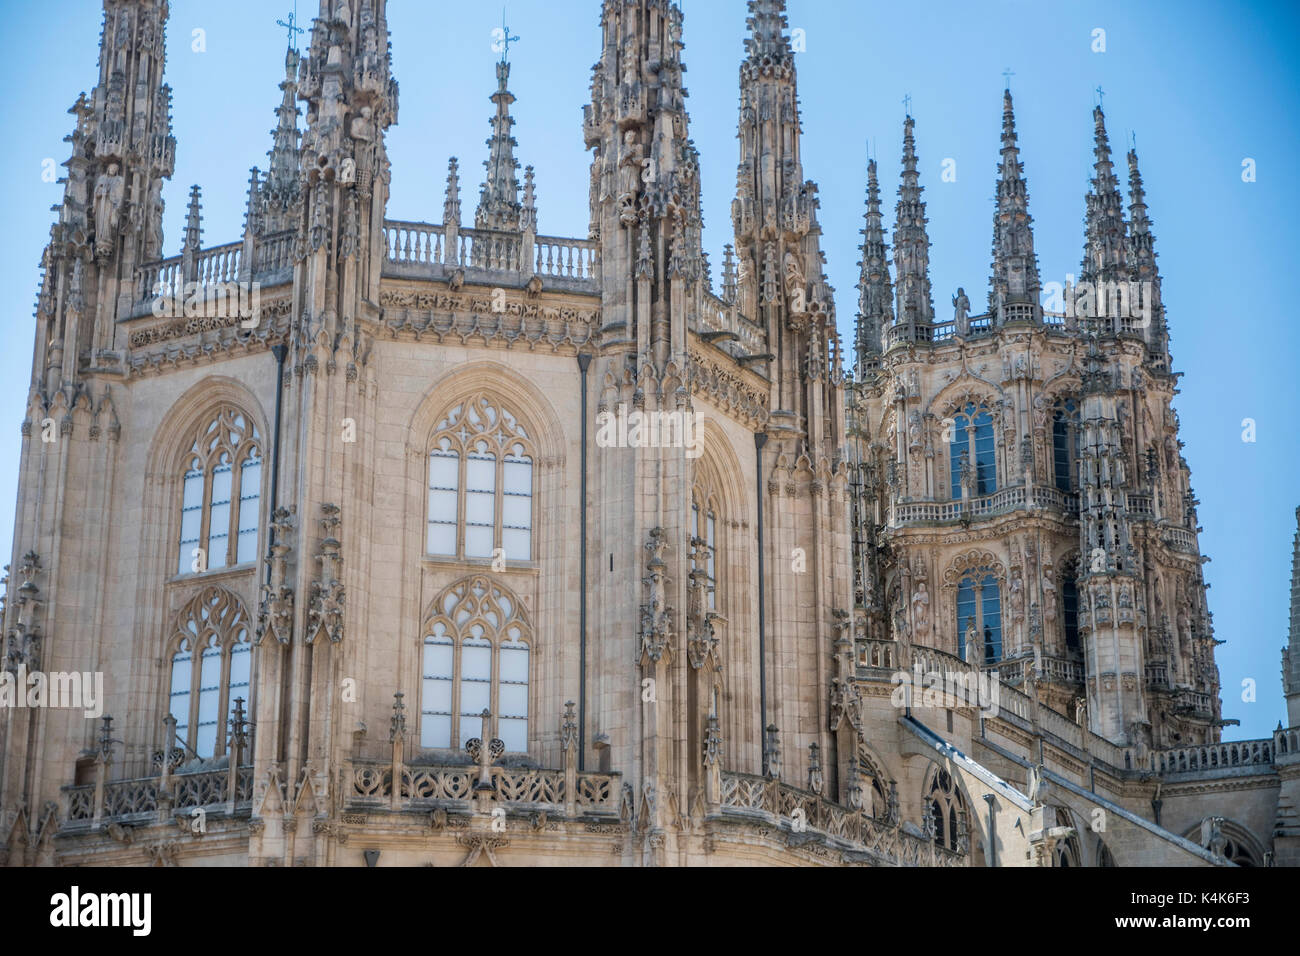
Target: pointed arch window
x=480 y=484
x=477 y=657
x=972 y=441
x=949 y=823
x=1065 y=444
x=979 y=604
x=211 y=667
x=221 y=494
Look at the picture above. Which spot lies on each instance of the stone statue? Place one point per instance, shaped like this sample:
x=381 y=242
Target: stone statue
x=1049 y=594
x=107 y=202
x=974 y=650
x=921 y=611
x=1017 y=598
x=961 y=312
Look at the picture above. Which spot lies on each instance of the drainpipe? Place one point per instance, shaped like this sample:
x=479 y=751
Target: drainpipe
x=584 y=360
x=759 y=441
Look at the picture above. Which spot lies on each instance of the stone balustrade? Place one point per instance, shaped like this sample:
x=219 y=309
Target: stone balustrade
x=131 y=799
x=747 y=795
x=370 y=786
x=1002 y=501
x=1237 y=753
x=425 y=251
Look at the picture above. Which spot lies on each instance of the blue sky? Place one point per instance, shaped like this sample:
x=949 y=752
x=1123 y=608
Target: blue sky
x=1202 y=85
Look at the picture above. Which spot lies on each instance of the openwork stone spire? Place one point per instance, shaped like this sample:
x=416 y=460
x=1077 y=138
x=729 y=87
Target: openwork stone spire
x=1104 y=254
x=912 y=243
x=498 y=205
x=1014 y=286
x=451 y=204
x=1291 y=653
x=1142 y=259
x=767 y=29
x=280 y=189
x=875 y=290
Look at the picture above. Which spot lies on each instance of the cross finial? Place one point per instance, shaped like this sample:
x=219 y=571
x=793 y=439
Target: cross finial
x=506 y=37
x=291 y=25
x=907 y=104
x=1007 y=75
x=1100 y=95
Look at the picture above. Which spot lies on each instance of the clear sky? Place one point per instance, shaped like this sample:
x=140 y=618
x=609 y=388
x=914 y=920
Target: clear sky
x=1203 y=86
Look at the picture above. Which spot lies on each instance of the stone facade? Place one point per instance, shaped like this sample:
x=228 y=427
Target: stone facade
x=364 y=527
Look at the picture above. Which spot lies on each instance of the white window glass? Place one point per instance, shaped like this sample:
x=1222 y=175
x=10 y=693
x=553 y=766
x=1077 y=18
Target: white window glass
x=182 y=676
x=475 y=686
x=241 y=659
x=219 y=516
x=191 y=519
x=435 y=704
x=480 y=504
x=513 y=696
x=517 y=507
x=250 y=487
x=444 y=482
x=209 y=700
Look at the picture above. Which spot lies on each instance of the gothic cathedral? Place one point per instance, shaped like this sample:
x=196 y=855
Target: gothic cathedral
x=395 y=543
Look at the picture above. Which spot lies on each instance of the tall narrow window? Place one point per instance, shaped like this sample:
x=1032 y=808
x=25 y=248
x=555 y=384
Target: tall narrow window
x=979 y=605
x=480 y=484
x=221 y=494
x=1065 y=444
x=210 y=670
x=972 y=438
x=476 y=658
x=705 y=528
x=1070 y=611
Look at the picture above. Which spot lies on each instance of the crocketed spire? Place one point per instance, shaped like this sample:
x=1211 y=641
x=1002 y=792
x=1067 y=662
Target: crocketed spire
x=1014 y=284
x=1104 y=254
x=498 y=205
x=875 y=290
x=912 y=243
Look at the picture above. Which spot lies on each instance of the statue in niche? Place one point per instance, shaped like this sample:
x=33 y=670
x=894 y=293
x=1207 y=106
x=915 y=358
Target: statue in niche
x=1049 y=594
x=921 y=611
x=108 y=201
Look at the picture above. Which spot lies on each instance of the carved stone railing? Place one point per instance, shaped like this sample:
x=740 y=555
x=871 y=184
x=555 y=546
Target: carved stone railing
x=1157 y=674
x=273 y=252
x=1055 y=669
x=421 y=250
x=877 y=654
x=567 y=258
x=1286 y=742
x=370 y=785
x=1002 y=501
x=1237 y=753
x=124 y=799
x=1140 y=506
x=723 y=324
x=1180 y=539
x=166 y=277
x=746 y=795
